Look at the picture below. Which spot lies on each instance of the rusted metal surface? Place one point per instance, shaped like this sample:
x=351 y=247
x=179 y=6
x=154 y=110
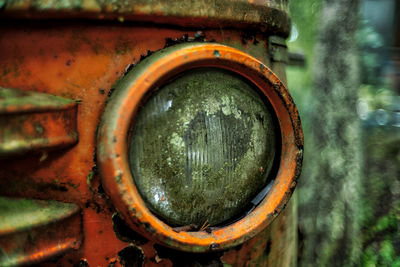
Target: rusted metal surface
x=33 y=121
x=32 y=231
x=81 y=61
x=275 y=246
x=112 y=142
x=277 y=47
x=265 y=15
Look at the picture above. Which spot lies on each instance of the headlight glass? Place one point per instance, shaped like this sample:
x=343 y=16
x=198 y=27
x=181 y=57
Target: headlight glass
x=202 y=147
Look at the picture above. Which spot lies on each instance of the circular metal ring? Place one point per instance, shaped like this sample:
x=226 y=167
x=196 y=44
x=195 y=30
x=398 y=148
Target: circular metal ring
x=112 y=142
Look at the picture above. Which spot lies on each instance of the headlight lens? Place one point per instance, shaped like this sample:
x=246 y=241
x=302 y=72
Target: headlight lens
x=202 y=147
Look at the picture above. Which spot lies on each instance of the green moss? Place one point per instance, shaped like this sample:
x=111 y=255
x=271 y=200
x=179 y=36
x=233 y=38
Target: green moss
x=89 y=179
x=20 y=214
x=57 y=4
x=30 y=100
x=122 y=47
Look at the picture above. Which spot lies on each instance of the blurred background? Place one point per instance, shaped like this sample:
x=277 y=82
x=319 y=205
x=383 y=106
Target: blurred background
x=348 y=95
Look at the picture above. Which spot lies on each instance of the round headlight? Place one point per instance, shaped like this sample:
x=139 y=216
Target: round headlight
x=192 y=135
x=202 y=147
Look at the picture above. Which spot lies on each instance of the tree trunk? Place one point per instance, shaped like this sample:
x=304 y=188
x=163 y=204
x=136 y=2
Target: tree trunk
x=330 y=191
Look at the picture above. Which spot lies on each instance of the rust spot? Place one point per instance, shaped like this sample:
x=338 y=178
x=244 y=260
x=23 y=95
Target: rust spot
x=214 y=246
x=186 y=228
x=110 y=92
x=268 y=247
x=112 y=262
x=125 y=233
x=118 y=178
x=82 y=263
x=131 y=256
x=249 y=36
x=149 y=53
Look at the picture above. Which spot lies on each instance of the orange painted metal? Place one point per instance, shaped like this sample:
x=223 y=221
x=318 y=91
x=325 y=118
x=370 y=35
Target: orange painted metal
x=112 y=152
x=81 y=60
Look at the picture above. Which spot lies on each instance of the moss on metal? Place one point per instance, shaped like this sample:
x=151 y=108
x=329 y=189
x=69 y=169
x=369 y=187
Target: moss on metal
x=13 y=100
x=23 y=214
x=202 y=147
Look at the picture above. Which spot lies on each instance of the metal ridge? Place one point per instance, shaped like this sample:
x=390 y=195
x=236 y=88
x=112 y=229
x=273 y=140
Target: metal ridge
x=266 y=15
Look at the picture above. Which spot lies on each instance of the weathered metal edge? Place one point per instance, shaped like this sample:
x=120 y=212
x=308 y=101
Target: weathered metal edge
x=32 y=121
x=20 y=214
x=266 y=15
x=51 y=235
x=15 y=101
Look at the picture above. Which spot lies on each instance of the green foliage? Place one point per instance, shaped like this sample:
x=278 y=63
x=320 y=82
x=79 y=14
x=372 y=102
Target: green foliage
x=305 y=19
x=382 y=254
x=376 y=97
x=305 y=16
x=381 y=203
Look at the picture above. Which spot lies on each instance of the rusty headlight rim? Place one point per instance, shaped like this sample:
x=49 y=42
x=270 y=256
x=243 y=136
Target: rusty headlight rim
x=113 y=145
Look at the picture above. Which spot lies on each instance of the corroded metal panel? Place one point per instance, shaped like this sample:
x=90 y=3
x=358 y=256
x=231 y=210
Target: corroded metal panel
x=81 y=61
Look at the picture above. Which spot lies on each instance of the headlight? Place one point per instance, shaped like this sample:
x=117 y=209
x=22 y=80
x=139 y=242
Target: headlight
x=202 y=147
x=199 y=134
